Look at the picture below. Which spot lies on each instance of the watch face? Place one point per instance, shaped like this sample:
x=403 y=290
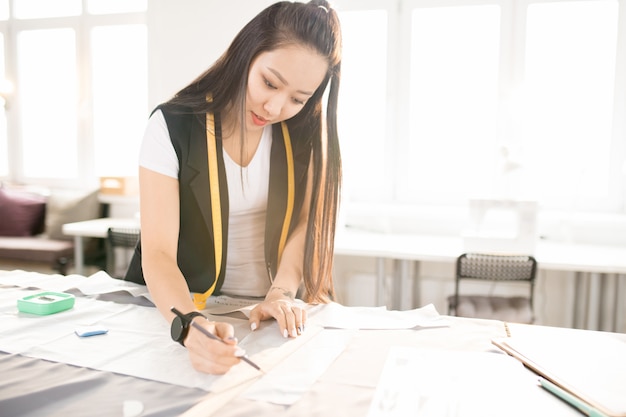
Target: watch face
x=178 y=329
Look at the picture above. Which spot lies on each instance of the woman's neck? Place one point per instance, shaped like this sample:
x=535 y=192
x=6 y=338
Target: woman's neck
x=240 y=148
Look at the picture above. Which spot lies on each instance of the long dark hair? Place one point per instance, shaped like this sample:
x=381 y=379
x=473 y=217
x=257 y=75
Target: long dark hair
x=314 y=25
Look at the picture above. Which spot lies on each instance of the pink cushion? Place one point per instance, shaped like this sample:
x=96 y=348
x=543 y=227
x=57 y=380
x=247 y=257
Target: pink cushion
x=21 y=213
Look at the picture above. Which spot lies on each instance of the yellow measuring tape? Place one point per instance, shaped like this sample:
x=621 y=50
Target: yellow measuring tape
x=199 y=300
x=291 y=191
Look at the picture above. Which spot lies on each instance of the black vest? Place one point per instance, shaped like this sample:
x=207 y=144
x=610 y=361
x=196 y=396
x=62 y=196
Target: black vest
x=196 y=248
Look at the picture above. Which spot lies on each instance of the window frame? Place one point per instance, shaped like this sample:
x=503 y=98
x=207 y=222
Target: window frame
x=397 y=190
x=82 y=26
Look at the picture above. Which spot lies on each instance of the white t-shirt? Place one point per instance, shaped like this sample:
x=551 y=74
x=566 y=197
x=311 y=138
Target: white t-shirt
x=248 y=187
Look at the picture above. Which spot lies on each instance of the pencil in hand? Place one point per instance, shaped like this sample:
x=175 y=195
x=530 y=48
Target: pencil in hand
x=214 y=337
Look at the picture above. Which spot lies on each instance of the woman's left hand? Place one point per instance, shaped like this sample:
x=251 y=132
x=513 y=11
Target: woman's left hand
x=290 y=317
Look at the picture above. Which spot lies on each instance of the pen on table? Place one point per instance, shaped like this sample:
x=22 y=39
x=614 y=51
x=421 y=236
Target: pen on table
x=214 y=337
x=570 y=399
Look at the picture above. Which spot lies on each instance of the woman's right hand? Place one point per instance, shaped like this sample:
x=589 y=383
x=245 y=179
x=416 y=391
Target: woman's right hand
x=212 y=356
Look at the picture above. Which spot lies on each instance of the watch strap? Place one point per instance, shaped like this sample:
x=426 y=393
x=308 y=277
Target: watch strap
x=192 y=315
x=186 y=322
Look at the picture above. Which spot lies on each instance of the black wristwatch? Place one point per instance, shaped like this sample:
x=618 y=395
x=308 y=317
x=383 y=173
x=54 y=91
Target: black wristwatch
x=180 y=326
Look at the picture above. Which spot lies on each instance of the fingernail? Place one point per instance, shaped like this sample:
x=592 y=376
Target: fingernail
x=232 y=338
x=253 y=326
x=300 y=329
x=294 y=333
x=239 y=352
x=285 y=333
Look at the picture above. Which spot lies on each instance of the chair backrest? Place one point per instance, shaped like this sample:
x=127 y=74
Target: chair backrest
x=125 y=238
x=495 y=267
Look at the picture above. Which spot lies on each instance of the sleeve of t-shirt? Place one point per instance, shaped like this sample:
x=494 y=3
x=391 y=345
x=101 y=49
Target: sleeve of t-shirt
x=157 y=152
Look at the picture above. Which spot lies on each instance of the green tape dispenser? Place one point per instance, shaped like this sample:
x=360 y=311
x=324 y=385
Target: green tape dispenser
x=45 y=303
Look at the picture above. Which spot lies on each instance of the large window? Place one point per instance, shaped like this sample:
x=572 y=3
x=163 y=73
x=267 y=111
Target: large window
x=441 y=100
x=119 y=63
x=455 y=99
x=567 y=99
x=48 y=96
x=363 y=108
x=74 y=84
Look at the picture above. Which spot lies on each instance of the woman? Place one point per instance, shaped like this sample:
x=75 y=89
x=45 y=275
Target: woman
x=239 y=181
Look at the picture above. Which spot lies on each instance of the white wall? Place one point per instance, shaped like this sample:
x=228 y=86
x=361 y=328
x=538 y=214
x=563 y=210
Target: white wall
x=186 y=37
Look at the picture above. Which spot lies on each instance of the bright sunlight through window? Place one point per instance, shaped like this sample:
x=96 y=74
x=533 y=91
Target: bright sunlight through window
x=48 y=92
x=568 y=97
x=362 y=105
x=454 y=93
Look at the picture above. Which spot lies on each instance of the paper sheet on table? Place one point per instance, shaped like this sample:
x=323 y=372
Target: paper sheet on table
x=224 y=304
x=274 y=354
x=295 y=375
x=337 y=316
x=137 y=338
x=96 y=284
x=589 y=365
x=101 y=283
x=331 y=315
x=434 y=383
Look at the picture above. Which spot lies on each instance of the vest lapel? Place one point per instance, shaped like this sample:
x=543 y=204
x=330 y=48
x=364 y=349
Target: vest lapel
x=200 y=183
